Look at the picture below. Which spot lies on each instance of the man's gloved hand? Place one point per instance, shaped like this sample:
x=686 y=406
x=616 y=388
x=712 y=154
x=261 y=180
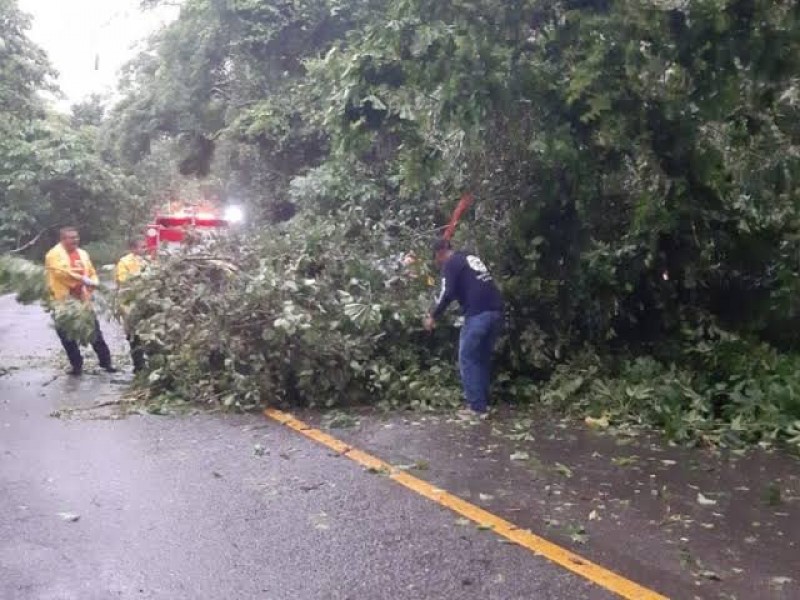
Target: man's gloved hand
x=88 y=282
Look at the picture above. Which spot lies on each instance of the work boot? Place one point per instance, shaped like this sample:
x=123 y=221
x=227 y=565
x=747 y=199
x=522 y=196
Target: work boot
x=467 y=414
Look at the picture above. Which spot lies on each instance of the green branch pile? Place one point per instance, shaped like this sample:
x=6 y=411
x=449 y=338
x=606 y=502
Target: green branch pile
x=23 y=278
x=292 y=317
x=27 y=281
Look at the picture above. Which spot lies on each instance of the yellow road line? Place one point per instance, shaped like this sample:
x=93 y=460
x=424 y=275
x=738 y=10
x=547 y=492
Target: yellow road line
x=609 y=580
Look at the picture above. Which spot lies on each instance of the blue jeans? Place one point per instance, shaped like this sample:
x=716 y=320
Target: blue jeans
x=478 y=336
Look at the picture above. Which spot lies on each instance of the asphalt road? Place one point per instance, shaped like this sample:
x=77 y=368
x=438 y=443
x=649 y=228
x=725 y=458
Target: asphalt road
x=94 y=507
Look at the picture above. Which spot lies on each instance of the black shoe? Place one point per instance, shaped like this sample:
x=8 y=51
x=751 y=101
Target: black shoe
x=109 y=369
x=75 y=372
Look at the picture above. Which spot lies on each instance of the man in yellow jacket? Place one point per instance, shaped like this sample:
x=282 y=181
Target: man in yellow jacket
x=71 y=274
x=129 y=266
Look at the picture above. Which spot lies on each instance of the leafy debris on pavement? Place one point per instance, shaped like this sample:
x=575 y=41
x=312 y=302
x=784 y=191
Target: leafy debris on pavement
x=69 y=517
x=704 y=501
x=564 y=470
x=337 y=419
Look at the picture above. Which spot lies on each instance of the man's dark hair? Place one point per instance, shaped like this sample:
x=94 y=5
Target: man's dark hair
x=133 y=242
x=440 y=245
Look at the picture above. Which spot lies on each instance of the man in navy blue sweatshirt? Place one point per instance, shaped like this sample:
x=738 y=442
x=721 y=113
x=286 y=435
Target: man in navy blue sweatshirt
x=465 y=278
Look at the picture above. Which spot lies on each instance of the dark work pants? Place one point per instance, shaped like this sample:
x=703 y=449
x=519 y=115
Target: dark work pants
x=73 y=350
x=137 y=353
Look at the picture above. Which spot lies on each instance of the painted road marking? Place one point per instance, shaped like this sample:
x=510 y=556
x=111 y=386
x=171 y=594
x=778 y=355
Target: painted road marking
x=561 y=556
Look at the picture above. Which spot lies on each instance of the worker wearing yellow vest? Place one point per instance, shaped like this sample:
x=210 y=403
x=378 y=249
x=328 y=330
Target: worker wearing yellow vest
x=71 y=274
x=129 y=266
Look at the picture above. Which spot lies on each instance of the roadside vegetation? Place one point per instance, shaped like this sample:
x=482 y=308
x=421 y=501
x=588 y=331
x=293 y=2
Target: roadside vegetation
x=635 y=169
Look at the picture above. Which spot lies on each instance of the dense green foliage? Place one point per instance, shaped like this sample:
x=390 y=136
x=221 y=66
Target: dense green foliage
x=22 y=278
x=51 y=173
x=297 y=317
x=28 y=282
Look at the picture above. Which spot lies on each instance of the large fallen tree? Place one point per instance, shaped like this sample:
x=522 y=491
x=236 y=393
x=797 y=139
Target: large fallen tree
x=290 y=317
x=634 y=167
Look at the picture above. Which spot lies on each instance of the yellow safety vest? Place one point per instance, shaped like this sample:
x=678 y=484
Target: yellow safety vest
x=128 y=266
x=61 y=278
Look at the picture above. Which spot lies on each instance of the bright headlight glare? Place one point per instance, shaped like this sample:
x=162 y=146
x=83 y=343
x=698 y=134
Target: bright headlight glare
x=234 y=214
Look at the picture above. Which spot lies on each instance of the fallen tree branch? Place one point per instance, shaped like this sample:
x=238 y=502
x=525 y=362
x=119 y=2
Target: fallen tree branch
x=33 y=241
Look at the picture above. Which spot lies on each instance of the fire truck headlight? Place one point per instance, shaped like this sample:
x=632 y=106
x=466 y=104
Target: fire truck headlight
x=234 y=214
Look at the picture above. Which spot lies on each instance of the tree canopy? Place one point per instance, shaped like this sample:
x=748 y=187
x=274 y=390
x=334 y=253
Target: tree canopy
x=51 y=173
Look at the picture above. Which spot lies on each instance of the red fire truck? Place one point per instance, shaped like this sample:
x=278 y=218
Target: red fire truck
x=180 y=225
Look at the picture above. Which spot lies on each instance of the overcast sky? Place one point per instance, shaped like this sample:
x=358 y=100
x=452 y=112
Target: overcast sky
x=74 y=32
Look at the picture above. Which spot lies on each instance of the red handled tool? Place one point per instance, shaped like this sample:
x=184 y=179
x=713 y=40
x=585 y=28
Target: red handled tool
x=466 y=201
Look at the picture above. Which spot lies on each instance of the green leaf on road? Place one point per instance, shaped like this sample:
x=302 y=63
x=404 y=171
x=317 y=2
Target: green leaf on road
x=564 y=470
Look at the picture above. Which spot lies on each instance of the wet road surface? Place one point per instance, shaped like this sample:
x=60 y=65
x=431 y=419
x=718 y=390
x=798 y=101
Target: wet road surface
x=94 y=507
x=688 y=523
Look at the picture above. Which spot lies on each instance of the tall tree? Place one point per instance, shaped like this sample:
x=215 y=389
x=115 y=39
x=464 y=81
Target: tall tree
x=51 y=173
